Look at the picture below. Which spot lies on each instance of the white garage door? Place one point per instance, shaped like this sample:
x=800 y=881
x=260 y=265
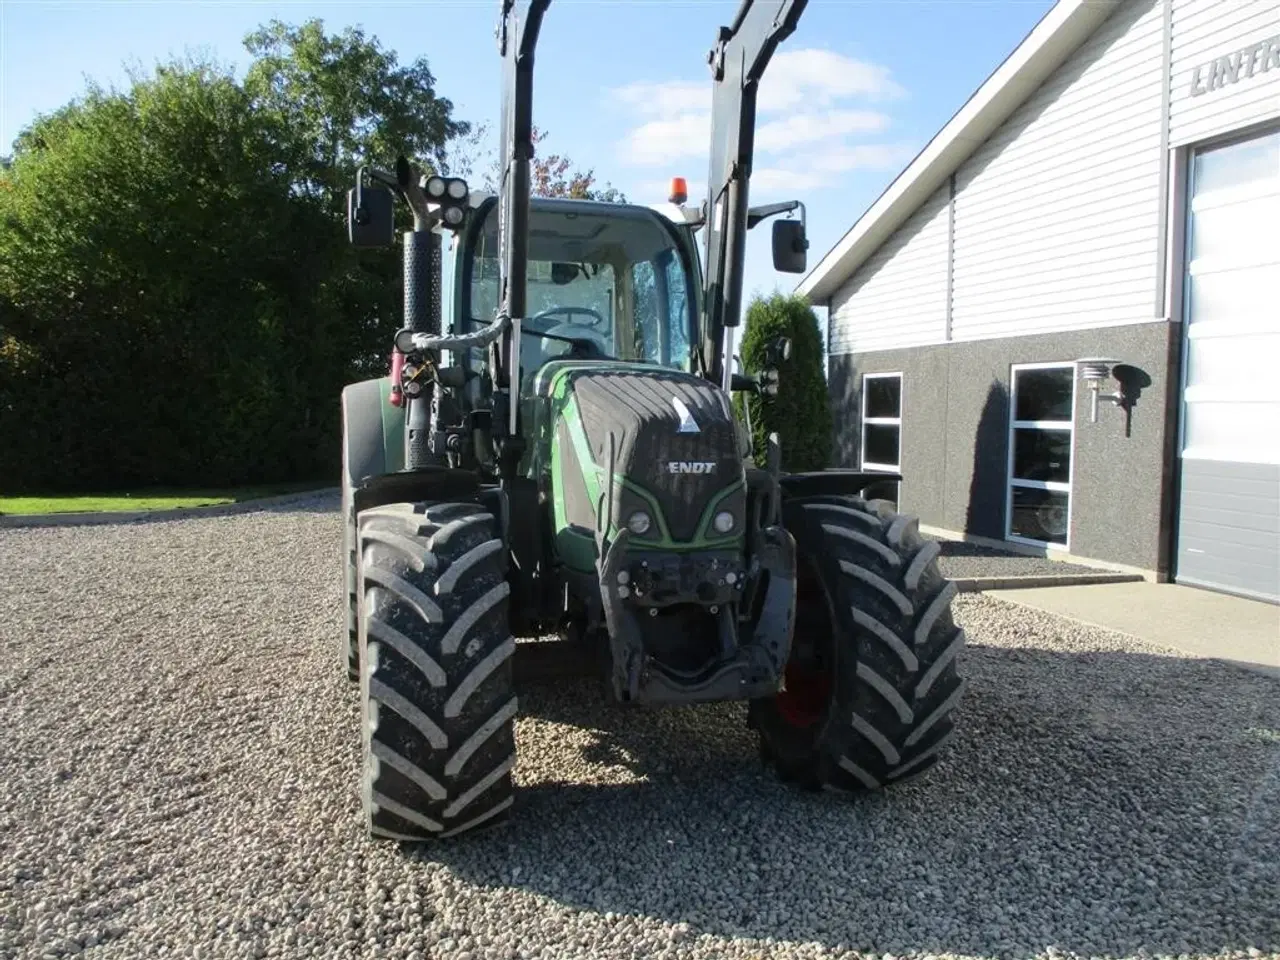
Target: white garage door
x=1229 y=517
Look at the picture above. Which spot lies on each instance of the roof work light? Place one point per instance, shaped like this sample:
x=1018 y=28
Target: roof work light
x=451 y=194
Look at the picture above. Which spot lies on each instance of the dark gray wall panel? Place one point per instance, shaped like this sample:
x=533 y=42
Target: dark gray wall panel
x=955 y=435
x=1229 y=527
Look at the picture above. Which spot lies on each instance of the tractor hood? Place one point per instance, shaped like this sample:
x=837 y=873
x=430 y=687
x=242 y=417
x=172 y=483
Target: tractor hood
x=621 y=439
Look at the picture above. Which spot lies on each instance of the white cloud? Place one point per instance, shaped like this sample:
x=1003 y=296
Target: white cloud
x=658 y=143
x=865 y=156
x=801 y=128
x=769 y=181
x=819 y=78
x=817 y=169
x=808 y=77
x=665 y=99
x=808 y=130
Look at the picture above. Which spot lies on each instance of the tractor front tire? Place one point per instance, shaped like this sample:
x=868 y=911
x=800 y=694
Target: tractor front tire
x=437 y=684
x=871 y=683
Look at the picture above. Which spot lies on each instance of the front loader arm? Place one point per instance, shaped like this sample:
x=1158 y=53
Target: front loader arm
x=517 y=41
x=738 y=61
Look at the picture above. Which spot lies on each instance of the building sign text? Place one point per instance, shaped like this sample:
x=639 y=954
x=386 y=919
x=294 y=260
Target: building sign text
x=1241 y=64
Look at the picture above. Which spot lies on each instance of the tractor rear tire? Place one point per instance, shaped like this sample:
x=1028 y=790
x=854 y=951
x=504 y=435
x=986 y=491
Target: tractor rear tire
x=871 y=684
x=437 y=684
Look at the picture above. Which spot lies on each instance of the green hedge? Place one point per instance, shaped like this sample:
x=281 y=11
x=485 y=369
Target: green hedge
x=800 y=413
x=173 y=310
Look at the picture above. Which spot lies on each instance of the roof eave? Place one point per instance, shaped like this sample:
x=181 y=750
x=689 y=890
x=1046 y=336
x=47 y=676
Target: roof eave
x=1058 y=34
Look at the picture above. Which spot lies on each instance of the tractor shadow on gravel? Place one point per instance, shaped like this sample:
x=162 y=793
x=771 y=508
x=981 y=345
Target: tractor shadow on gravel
x=1096 y=803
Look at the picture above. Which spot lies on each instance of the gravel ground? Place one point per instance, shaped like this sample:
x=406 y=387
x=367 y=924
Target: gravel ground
x=959 y=559
x=180 y=753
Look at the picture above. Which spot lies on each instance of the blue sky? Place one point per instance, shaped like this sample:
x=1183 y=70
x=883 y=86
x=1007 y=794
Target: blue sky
x=621 y=85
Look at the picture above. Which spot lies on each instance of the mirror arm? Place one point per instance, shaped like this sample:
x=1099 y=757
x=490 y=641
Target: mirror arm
x=405 y=183
x=408 y=182
x=756 y=214
x=373 y=173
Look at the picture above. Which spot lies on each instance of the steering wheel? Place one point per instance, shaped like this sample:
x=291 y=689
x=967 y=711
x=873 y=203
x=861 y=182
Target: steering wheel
x=578 y=332
x=570 y=311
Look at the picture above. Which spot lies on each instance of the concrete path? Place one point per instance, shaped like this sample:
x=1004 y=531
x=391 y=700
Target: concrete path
x=1198 y=622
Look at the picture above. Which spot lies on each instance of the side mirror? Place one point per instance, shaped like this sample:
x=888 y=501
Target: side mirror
x=789 y=246
x=371 y=220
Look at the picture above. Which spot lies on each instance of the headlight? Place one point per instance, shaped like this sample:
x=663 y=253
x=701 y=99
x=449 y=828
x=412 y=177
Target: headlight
x=639 y=523
x=453 y=216
x=723 y=521
x=458 y=189
x=435 y=187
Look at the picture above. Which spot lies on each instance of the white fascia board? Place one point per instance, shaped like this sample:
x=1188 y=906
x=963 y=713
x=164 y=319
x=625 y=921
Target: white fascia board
x=1058 y=34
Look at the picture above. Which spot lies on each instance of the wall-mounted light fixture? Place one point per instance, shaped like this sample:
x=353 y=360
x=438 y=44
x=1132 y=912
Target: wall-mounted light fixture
x=1094 y=371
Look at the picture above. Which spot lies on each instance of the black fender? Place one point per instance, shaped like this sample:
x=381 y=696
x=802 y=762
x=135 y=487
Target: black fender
x=827 y=483
x=372 y=433
x=373 y=460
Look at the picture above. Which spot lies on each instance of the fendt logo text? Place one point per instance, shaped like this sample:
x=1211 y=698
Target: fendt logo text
x=691 y=466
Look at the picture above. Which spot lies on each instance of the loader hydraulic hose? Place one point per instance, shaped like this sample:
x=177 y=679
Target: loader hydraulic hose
x=463 y=341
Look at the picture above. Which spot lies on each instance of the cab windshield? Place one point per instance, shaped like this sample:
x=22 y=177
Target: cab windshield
x=601 y=283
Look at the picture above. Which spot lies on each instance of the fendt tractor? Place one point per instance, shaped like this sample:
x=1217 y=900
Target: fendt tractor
x=562 y=458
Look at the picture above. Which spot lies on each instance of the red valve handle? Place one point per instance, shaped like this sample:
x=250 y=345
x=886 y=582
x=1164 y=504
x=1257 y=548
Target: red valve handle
x=397 y=365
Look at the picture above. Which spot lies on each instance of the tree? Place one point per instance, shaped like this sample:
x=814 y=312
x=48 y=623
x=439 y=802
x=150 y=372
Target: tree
x=341 y=100
x=178 y=300
x=550 y=176
x=553 y=176
x=800 y=413
x=338 y=101
x=150 y=280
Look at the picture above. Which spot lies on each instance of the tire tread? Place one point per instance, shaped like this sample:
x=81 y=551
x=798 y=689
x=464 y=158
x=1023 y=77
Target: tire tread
x=437 y=680
x=897 y=685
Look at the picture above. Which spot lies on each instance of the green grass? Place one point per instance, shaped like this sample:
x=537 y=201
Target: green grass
x=159 y=499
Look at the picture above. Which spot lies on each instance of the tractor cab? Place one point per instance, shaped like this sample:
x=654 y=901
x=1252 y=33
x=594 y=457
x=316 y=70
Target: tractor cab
x=605 y=281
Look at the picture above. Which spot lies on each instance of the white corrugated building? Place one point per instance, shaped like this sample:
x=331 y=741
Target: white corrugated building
x=1111 y=192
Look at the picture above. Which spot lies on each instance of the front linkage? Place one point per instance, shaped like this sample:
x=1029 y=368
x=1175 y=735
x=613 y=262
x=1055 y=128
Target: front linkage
x=723 y=585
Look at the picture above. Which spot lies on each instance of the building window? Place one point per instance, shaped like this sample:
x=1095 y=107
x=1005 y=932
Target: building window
x=882 y=421
x=1041 y=441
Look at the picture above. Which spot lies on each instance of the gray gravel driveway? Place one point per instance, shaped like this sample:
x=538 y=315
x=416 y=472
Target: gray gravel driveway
x=178 y=776
x=959 y=559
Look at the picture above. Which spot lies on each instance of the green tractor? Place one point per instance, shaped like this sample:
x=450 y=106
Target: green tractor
x=562 y=458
